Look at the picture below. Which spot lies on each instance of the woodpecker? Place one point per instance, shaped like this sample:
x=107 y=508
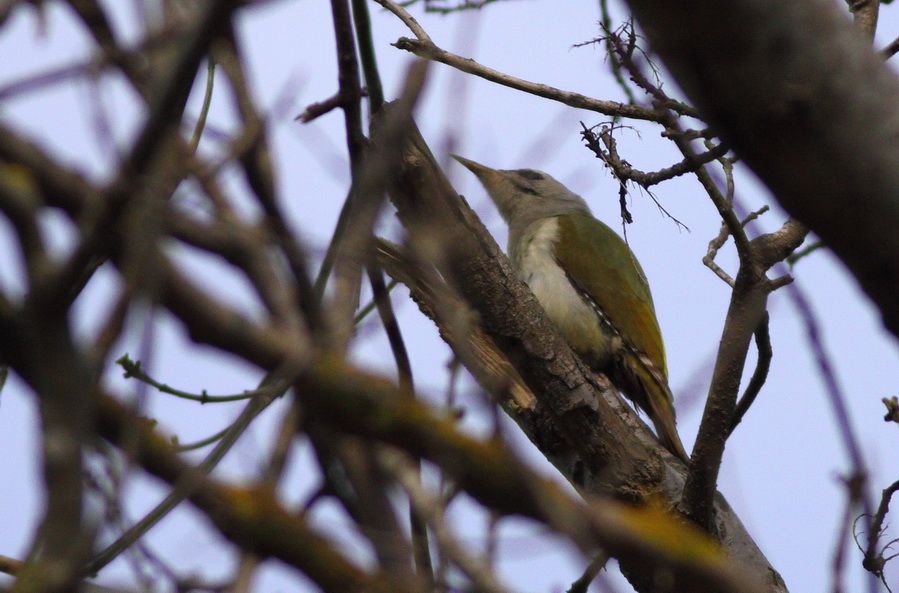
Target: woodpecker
x=589 y=283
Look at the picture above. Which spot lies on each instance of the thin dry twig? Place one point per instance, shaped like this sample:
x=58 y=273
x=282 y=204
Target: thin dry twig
x=420 y=546
x=315 y=110
x=428 y=508
x=133 y=369
x=891 y=49
x=277 y=385
x=256 y=162
x=367 y=55
x=423 y=47
x=204 y=108
x=841 y=543
x=250 y=516
x=718 y=242
x=759 y=375
x=874 y=560
x=582 y=584
x=857 y=481
x=460 y=6
x=370 y=187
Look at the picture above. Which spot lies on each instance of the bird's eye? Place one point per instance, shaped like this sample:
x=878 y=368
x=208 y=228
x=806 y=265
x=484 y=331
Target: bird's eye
x=524 y=188
x=529 y=174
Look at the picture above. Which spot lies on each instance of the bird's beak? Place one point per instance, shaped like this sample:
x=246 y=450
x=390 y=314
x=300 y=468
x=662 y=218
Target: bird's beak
x=494 y=181
x=483 y=172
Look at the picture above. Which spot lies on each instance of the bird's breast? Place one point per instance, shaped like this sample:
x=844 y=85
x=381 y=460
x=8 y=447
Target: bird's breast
x=572 y=312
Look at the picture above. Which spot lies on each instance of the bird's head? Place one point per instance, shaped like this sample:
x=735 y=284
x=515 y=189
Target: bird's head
x=525 y=195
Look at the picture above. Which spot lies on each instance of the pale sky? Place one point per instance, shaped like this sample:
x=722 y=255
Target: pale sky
x=782 y=466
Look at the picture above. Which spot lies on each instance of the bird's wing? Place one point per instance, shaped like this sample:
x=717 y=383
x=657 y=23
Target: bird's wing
x=608 y=271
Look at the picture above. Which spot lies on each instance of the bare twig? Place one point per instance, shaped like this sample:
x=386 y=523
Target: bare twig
x=857 y=482
x=367 y=309
x=349 y=277
x=624 y=171
x=367 y=55
x=202 y=443
x=835 y=394
x=10 y=565
x=669 y=118
x=605 y=24
x=890 y=50
x=370 y=186
x=428 y=508
x=257 y=167
x=350 y=87
x=186 y=487
x=173 y=90
x=804 y=252
x=841 y=543
x=207 y=103
x=746 y=311
x=582 y=584
x=759 y=376
x=460 y=6
x=251 y=517
x=407 y=19
x=423 y=47
x=134 y=370
x=874 y=560
x=404 y=369
x=621 y=45
x=315 y=110
x=709 y=258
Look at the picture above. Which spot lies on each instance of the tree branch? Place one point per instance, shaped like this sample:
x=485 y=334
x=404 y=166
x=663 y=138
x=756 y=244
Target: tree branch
x=832 y=162
x=595 y=441
x=423 y=47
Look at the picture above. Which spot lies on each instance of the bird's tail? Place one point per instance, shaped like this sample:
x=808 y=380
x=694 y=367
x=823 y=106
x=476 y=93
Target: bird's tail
x=649 y=389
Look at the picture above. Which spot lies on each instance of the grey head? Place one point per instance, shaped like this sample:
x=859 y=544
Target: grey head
x=524 y=196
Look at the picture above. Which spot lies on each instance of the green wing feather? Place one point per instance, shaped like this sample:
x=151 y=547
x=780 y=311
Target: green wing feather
x=607 y=270
x=605 y=267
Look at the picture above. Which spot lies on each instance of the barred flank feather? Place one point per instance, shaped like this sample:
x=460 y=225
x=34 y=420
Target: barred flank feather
x=635 y=375
x=607 y=275
x=642 y=381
